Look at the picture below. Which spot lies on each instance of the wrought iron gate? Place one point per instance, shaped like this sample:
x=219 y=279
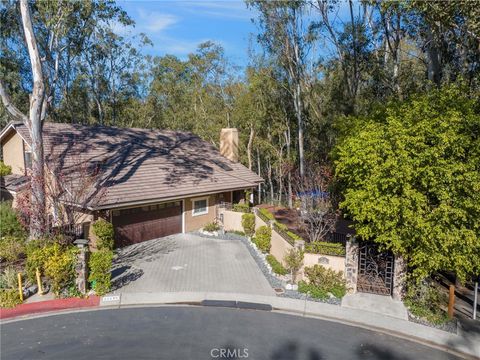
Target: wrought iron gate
x=375 y=270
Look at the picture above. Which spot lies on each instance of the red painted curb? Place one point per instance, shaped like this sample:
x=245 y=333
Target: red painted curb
x=49 y=305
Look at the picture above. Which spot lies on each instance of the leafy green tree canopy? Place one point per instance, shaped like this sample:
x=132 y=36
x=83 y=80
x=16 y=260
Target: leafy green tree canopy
x=412 y=181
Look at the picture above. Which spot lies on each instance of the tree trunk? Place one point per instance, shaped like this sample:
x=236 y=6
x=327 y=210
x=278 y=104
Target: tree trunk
x=249 y=146
x=34 y=125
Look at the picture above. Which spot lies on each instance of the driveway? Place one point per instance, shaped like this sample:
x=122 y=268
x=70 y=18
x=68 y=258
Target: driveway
x=190 y=263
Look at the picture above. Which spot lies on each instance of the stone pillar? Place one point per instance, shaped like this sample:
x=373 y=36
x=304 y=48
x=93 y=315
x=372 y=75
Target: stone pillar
x=81 y=268
x=351 y=264
x=399 y=278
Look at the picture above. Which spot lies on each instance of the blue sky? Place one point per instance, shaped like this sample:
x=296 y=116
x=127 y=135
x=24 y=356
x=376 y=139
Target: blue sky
x=177 y=27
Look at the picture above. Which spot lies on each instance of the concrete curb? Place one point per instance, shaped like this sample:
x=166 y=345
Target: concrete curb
x=48 y=306
x=463 y=343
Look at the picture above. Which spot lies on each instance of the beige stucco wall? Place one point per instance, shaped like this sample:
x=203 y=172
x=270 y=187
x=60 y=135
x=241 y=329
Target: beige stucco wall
x=336 y=263
x=193 y=223
x=279 y=247
x=12 y=147
x=232 y=220
x=259 y=222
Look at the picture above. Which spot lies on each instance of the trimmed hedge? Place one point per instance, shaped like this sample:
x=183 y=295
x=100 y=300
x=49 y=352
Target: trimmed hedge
x=243 y=208
x=325 y=248
x=100 y=264
x=105 y=234
x=265 y=215
x=276 y=265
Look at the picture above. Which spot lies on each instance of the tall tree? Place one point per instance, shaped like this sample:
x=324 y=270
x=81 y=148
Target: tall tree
x=287 y=37
x=33 y=122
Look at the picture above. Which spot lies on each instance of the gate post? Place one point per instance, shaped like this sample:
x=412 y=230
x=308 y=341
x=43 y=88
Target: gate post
x=81 y=267
x=399 y=278
x=351 y=264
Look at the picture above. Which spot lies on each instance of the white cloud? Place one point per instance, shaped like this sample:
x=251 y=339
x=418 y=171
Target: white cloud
x=155 y=21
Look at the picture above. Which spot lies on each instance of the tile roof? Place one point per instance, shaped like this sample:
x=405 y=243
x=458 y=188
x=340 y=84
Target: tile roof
x=140 y=165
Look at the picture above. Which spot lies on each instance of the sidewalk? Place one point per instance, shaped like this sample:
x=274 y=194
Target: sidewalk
x=463 y=342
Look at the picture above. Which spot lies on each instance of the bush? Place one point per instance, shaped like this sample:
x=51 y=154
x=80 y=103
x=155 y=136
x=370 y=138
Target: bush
x=100 y=265
x=326 y=248
x=243 y=208
x=284 y=228
x=8 y=279
x=11 y=248
x=59 y=266
x=326 y=281
x=5 y=169
x=37 y=252
x=9 y=298
x=103 y=231
x=262 y=239
x=426 y=300
x=9 y=223
x=266 y=214
x=248 y=224
x=315 y=292
x=211 y=227
x=276 y=265
x=294 y=261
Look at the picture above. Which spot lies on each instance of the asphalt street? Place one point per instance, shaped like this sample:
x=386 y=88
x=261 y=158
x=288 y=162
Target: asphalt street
x=199 y=333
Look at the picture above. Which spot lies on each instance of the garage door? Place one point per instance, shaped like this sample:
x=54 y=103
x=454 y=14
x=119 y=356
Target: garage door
x=146 y=223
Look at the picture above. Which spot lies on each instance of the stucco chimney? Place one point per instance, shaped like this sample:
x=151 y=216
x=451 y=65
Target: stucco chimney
x=229 y=144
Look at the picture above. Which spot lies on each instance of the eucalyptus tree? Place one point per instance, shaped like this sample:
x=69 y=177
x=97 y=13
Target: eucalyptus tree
x=287 y=37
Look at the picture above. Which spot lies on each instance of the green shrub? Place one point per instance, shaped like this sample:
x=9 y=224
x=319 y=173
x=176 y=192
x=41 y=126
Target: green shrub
x=8 y=278
x=100 y=265
x=426 y=300
x=262 y=239
x=326 y=280
x=315 y=292
x=37 y=252
x=11 y=248
x=9 y=298
x=266 y=214
x=276 y=265
x=59 y=266
x=103 y=231
x=248 y=224
x=5 y=169
x=294 y=261
x=211 y=227
x=243 y=208
x=9 y=223
x=325 y=248
x=284 y=229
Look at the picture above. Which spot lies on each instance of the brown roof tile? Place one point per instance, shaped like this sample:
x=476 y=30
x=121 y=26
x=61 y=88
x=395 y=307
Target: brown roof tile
x=140 y=165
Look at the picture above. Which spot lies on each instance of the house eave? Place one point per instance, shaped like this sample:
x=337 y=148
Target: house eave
x=164 y=199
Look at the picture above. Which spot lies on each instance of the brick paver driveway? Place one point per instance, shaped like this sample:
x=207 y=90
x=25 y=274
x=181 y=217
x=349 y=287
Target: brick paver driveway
x=188 y=262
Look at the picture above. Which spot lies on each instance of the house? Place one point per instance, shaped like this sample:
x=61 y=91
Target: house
x=148 y=183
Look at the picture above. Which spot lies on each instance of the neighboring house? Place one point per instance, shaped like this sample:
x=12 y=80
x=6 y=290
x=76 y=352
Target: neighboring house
x=150 y=183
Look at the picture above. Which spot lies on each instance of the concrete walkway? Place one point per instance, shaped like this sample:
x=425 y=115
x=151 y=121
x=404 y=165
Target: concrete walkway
x=465 y=342
x=376 y=303
x=186 y=263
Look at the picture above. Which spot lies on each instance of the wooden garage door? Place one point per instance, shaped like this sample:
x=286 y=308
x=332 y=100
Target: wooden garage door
x=146 y=223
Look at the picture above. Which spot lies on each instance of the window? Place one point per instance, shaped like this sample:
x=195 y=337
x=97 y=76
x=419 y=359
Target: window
x=200 y=207
x=28 y=160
